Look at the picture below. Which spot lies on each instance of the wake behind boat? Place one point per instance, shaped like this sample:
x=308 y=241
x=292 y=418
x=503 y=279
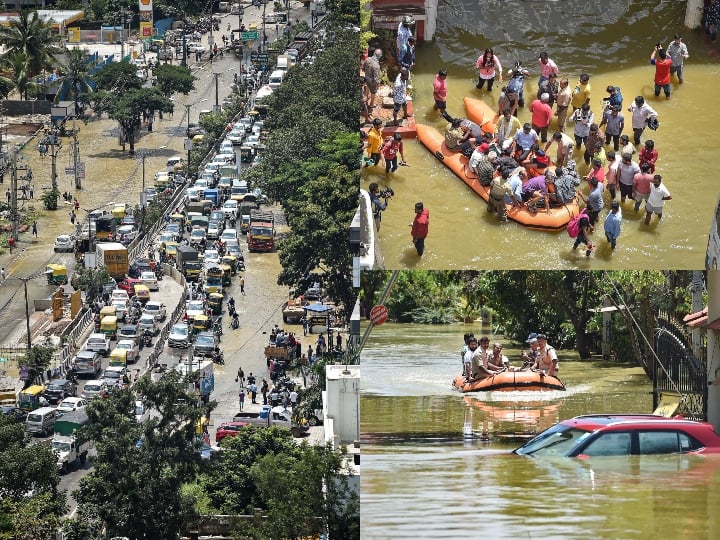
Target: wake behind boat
x=509 y=381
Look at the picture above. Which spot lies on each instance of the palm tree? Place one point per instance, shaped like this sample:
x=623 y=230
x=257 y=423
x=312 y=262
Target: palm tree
x=18 y=65
x=76 y=78
x=32 y=37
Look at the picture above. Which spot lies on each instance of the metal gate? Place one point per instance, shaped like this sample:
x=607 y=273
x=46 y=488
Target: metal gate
x=678 y=370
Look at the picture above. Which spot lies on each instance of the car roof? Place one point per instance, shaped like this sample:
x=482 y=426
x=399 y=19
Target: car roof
x=125 y=342
x=595 y=421
x=154 y=303
x=72 y=399
x=238 y=423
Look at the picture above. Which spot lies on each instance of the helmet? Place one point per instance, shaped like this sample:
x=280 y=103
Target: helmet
x=407 y=20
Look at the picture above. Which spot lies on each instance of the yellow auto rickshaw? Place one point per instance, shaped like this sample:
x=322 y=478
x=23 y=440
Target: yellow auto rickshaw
x=169 y=249
x=227 y=274
x=201 y=323
x=177 y=218
x=119 y=211
x=56 y=274
x=29 y=399
x=231 y=261
x=214 y=302
x=118 y=358
x=142 y=292
x=108 y=326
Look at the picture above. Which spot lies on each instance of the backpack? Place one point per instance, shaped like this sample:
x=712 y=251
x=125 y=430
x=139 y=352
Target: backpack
x=573 y=226
x=516 y=84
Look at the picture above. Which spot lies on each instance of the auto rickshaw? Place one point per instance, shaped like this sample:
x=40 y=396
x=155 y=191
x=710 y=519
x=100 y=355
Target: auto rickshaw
x=118 y=212
x=230 y=261
x=227 y=274
x=169 y=250
x=201 y=323
x=108 y=326
x=118 y=357
x=246 y=154
x=214 y=302
x=29 y=399
x=142 y=293
x=178 y=218
x=56 y=274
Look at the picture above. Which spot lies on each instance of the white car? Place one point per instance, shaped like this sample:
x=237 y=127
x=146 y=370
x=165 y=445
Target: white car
x=64 y=244
x=236 y=136
x=257 y=127
x=230 y=208
x=201 y=183
x=157 y=309
x=179 y=336
x=213 y=229
x=252 y=141
x=70 y=404
x=192 y=194
x=113 y=376
x=194 y=307
x=128 y=231
x=223 y=159
x=211 y=256
x=211 y=168
x=195 y=46
x=147 y=322
x=149 y=279
x=94 y=388
x=229 y=234
x=119 y=294
x=226 y=147
x=140 y=412
x=121 y=308
x=133 y=351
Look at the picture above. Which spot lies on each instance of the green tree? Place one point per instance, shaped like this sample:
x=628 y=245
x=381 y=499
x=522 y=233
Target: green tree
x=92 y=281
x=37 y=359
x=128 y=108
x=20 y=74
x=30 y=36
x=75 y=78
x=50 y=199
x=117 y=79
x=173 y=79
x=140 y=469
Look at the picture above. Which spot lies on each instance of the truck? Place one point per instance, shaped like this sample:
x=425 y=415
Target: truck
x=203 y=369
x=212 y=195
x=284 y=62
x=188 y=262
x=112 y=256
x=229 y=170
x=266 y=418
x=69 y=443
x=261 y=235
x=293 y=310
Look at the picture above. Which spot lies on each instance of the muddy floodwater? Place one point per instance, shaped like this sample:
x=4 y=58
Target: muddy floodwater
x=613 y=45
x=422 y=479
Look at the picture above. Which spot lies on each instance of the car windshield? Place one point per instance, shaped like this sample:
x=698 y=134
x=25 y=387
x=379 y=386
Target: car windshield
x=205 y=340
x=92 y=387
x=124 y=346
x=147 y=319
x=195 y=305
x=112 y=375
x=148 y=275
x=556 y=441
x=56 y=386
x=61 y=446
x=66 y=405
x=180 y=330
x=139 y=410
x=152 y=307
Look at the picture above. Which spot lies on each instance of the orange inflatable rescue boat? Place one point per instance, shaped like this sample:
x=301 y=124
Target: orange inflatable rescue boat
x=510 y=381
x=554 y=220
x=481 y=113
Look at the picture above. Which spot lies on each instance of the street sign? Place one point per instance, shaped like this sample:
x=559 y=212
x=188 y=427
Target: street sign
x=211 y=40
x=259 y=58
x=69 y=170
x=249 y=35
x=81 y=169
x=379 y=314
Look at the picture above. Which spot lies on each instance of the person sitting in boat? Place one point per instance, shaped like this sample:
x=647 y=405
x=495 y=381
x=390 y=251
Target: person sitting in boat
x=536 y=163
x=465 y=348
x=498 y=360
x=481 y=367
x=506 y=128
x=530 y=357
x=547 y=361
x=473 y=135
x=480 y=164
x=533 y=190
x=454 y=134
x=470 y=349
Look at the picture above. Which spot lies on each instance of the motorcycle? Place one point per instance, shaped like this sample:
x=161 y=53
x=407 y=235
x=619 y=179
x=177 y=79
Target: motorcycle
x=235 y=324
x=217 y=328
x=231 y=310
x=159 y=273
x=218 y=357
x=147 y=338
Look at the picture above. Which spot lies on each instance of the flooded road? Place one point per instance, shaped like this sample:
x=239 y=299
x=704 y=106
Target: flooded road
x=422 y=479
x=614 y=47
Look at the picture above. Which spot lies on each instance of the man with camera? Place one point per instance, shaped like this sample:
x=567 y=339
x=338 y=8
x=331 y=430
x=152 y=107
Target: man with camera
x=378 y=206
x=662 y=70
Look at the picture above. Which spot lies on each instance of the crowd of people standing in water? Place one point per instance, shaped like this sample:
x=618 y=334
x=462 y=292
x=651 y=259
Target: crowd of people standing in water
x=516 y=160
x=480 y=361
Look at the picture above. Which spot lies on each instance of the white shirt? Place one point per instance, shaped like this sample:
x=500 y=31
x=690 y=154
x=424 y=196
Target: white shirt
x=293 y=396
x=641 y=114
x=655 y=199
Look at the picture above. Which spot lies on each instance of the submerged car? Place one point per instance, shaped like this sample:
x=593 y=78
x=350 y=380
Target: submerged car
x=622 y=435
x=229 y=429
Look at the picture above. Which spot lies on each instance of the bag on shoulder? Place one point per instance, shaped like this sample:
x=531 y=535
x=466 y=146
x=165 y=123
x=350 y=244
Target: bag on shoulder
x=573 y=226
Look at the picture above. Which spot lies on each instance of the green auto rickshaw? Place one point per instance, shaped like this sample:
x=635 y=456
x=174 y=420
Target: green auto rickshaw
x=231 y=261
x=227 y=275
x=29 y=399
x=56 y=274
x=214 y=302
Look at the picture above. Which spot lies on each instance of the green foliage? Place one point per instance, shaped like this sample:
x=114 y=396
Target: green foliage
x=117 y=78
x=37 y=360
x=30 y=38
x=172 y=79
x=214 y=125
x=91 y=280
x=75 y=78
x=50 y=199
x=140 y=469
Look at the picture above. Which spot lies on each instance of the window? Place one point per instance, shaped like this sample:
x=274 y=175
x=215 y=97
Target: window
x=665 y=442
x=609 y=444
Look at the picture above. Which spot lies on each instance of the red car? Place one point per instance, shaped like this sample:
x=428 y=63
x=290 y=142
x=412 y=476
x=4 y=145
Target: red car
x=623 y=434
x=128 y=285
x=229 y=429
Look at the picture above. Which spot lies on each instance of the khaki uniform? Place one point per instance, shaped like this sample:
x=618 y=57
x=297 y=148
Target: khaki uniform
x=499 y=187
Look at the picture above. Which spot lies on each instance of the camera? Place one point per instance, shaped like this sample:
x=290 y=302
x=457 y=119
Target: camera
x=386 y=193
x=658 y=45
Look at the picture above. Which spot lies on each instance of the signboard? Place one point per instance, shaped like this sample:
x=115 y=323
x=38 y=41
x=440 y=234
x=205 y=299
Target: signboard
x=81 y=169
x=69 y=170
x=260 y=58
x=249 y=35
x=73 y=34
x=379 y=314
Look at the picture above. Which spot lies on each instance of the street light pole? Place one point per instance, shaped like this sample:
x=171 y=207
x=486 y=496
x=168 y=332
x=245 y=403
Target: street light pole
x=27 y=314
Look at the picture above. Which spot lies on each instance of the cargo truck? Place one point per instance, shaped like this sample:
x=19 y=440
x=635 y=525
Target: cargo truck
x=261 y=235
x=112 y=256
x=68 y=442
x=212 y=195
x=188 y=262
x=204 y=373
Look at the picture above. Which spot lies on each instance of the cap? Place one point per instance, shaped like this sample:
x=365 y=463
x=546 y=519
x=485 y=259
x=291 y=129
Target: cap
x=484 y=147
x=545 y=97
x=532 y=338
x=542 y=336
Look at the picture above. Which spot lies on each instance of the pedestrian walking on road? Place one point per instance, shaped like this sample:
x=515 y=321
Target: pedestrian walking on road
x=11 y=244
x=3 y=275
x=242 y=285
x=253 y=392
x=264 y=391
x=34 y=229
x=32 y=192
x=310 y=355
x=72 y=216
x=242 y=399
x=240 y=377
x=77 y=204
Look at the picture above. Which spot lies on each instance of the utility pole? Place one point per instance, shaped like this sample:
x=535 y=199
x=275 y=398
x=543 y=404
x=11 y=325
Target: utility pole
x=76 y=155
x=27 y=314
x=122 y=31
x=217 y=95
x=187 y=107
x=262 y=38
x=183 y=62
x=13 y=198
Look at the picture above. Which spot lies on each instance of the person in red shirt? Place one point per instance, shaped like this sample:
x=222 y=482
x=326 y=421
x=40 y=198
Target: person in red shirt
x=390 y=151
x=440 y=91
x=541 y=115
x=641 y=185
x=420 y=226
x=649 y=155
x=662 y=64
